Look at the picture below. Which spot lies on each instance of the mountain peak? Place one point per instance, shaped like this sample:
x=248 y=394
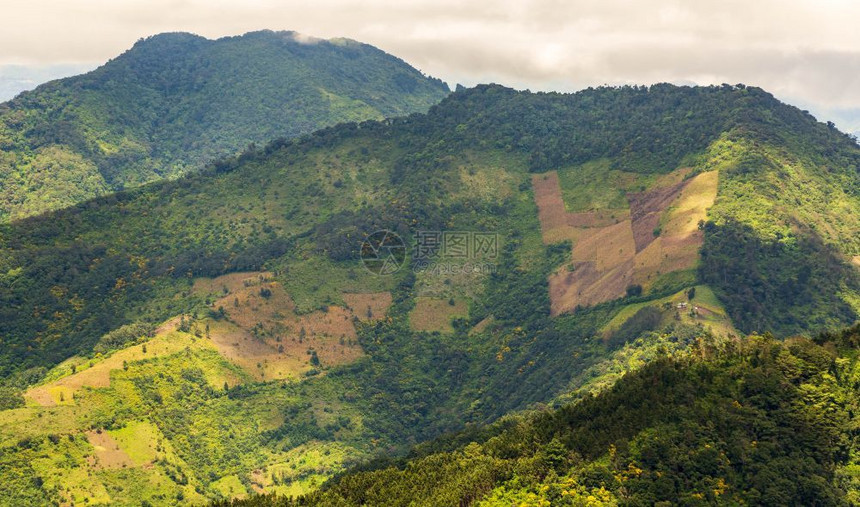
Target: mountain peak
x=176 y=101
x=168 y=38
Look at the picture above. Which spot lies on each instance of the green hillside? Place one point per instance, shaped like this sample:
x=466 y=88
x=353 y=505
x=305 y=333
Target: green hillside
x=226 y=320
x=174 y=102
x=757 y=422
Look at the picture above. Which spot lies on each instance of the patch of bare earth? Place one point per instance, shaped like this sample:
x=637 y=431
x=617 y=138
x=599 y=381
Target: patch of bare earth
x=107 y=451
x=368 y=306
x=230 y=282
x=677 y=247
x=551 y=213
x=435 y=314
x=265 y=336
x=614 y=249
x=646 y=209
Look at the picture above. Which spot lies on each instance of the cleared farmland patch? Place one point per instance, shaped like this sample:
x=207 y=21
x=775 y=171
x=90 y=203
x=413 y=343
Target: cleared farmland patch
x=616 y=248
x=265 y=336
x=692 y=204
x=368 y=306
x=108 y=453
x=646 y=210
x=679 y=241
x=551 y=211
x=586 y=285
x=434 y=314
x=607 y=246
x=256 y=357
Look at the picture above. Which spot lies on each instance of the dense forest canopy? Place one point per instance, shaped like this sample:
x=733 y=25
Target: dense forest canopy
x=176 y=101
x=757 y=422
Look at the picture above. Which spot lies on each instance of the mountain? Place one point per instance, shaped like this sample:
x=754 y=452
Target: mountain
x=234 y=331
x=760 y=422
x=175 y=101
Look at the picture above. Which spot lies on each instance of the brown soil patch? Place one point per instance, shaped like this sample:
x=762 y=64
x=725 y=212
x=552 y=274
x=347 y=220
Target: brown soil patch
x=551 y=212
x=368 y=306
x=107 y=451
x=607 y=247
x=856 y=260
x=255 y=356
x=586 y=285
x=648 y=263
x=646 y=209
x=432 y=314
x=230 y=282
x=681 y=252
x=597 y=218
x=269 y=340
x=678 y=246
x=557 y=224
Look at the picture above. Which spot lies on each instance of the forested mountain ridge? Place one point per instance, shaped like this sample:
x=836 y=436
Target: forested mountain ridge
x=220 y=336
x=176 y=101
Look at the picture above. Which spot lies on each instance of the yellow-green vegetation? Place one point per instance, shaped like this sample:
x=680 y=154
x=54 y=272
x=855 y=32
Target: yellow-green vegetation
x=142 y=442
x=783 y=226
x=704 y=308
x=96 y=372
x=595 y=185
x=229 y=487
x=167 y=423
x=433 y=314
x=303 y=470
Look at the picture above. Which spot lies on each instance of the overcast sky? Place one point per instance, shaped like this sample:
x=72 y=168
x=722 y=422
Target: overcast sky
x=807 y=52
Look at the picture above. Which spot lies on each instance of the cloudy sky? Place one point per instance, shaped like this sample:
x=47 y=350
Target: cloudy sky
x=805 y=52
